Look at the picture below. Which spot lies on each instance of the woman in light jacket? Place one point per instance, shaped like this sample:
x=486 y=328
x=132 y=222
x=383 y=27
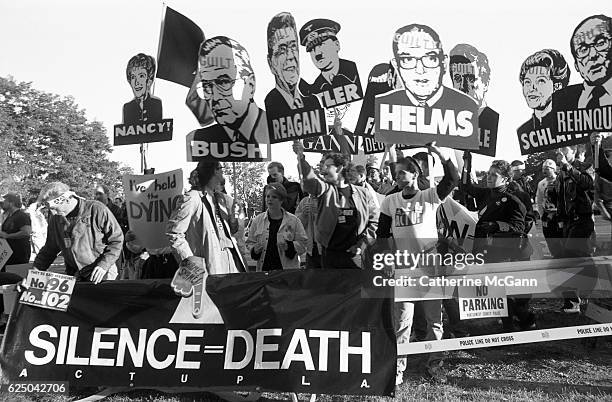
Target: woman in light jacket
x=276 y=237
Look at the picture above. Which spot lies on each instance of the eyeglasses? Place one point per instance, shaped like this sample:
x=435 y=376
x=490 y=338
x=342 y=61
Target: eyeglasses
x=223 y=84
x=600 y=45
x=430 y=60
x=284 y=49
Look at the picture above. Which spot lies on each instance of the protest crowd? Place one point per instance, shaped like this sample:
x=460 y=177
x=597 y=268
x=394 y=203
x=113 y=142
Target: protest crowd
x=337 y=216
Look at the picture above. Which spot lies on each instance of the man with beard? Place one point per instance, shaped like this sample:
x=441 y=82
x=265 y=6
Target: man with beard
x=542 y=74
x=143 y=108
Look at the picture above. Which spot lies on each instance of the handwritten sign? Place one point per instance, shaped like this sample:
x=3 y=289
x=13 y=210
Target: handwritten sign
x=150 y=201
x=48 y=290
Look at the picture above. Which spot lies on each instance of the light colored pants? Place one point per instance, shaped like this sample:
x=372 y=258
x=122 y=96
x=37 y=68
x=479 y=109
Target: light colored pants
x=431 y=313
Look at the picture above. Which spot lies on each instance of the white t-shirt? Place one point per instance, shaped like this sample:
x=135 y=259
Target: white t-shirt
x=413 y=220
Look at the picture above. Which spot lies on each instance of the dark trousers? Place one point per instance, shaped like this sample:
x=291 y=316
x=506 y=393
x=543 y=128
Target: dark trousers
x=553 y=235
x=577 y=242
x=7 y=278
x=314 y=260
x=518 y=307
x=337 y=259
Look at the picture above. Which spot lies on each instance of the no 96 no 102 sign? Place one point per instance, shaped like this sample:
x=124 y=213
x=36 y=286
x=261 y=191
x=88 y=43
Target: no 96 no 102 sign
x=48 y=290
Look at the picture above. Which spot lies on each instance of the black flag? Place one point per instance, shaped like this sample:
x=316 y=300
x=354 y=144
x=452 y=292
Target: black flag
x=178 y=49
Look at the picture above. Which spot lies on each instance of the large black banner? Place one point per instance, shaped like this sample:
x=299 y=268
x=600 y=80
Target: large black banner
x=300 y=330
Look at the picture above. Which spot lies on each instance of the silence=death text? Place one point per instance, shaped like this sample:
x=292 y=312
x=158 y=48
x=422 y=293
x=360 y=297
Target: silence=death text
x=120 y=347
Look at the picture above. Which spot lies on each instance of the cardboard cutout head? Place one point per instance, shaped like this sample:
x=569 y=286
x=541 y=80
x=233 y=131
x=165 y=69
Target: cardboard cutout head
x=227 y=79
x=420 y=60
x=543 y=73
x=469 y=71
x=140 y=73
x=283 y=51
x=319 y=37
x=591 y=46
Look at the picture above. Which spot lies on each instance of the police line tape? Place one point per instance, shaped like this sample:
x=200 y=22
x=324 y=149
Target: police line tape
x=512 y=338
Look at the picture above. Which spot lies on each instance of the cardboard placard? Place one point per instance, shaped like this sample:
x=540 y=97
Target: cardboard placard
x=338 y=83
x=48 y=290
x=142 y=117
x=470 y=73
x=150 y=200
x=542 y=75
x=5 y=252
x=424 y=110
x=227 y=85
x=379 y=82
x=587 y=107
x=292 y=112
x=482 y=302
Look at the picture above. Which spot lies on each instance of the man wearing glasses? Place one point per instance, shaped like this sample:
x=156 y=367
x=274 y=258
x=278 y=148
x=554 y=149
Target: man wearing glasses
x=228 y=86
x=286 y=102
x=85 y=232
x=591 y=47
x=423 y=106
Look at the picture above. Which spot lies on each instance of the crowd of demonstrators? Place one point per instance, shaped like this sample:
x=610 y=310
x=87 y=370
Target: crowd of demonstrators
x=409 y=218
x=346 y=216
x=276 y=236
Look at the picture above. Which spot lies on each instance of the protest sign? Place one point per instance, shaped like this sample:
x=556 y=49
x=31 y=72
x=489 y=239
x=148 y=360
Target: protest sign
x=456 y=224
x=338 y=83
x=150 y=199
x=587 y=107
x=142 y=117
x=482 y=302
x=289 y=331
x=543 y=74
x=293 y=112
x=48 y=290
x=5 y=252
x=379 y=82
x=424 y=110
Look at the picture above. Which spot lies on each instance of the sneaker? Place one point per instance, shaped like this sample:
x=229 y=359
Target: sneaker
x=571 y=307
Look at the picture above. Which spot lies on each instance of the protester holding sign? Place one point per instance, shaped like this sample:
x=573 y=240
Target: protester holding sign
x=347 y=215
x=500 y=232
x=276 y=174
x=16 y=229
x=85 y=232
x=409 y=217
x=276 y=237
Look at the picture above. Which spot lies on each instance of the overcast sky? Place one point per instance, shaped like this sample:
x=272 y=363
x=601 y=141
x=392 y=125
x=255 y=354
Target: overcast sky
x=81 y=48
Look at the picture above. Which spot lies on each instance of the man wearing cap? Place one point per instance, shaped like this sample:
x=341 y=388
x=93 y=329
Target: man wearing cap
x=16 y=229
x=547 y=210
x=421 y=63
x=85 y=232
x=338 y=82
x=227 y=84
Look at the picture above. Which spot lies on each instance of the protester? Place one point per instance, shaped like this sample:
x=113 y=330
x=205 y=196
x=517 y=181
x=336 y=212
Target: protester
x=518 y=176
x=104 y=194
x=387 y=182
x=603 y=184
x=500 y=233
x=347 y=215
x=374 y=179
x=575 y=212
x=85 y=232
x=276 y=237
x=547 y=210
x=409 y=217
x=276 y=174
x=307 y=214
x=39 y=226
x=360 y=180
x=199 y=227
x=16 y=229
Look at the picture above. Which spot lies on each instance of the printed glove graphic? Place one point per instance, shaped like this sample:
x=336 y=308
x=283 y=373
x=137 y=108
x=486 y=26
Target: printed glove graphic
x=189 y=281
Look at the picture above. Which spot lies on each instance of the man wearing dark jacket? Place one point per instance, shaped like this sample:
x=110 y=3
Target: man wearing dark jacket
x=276 y=174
